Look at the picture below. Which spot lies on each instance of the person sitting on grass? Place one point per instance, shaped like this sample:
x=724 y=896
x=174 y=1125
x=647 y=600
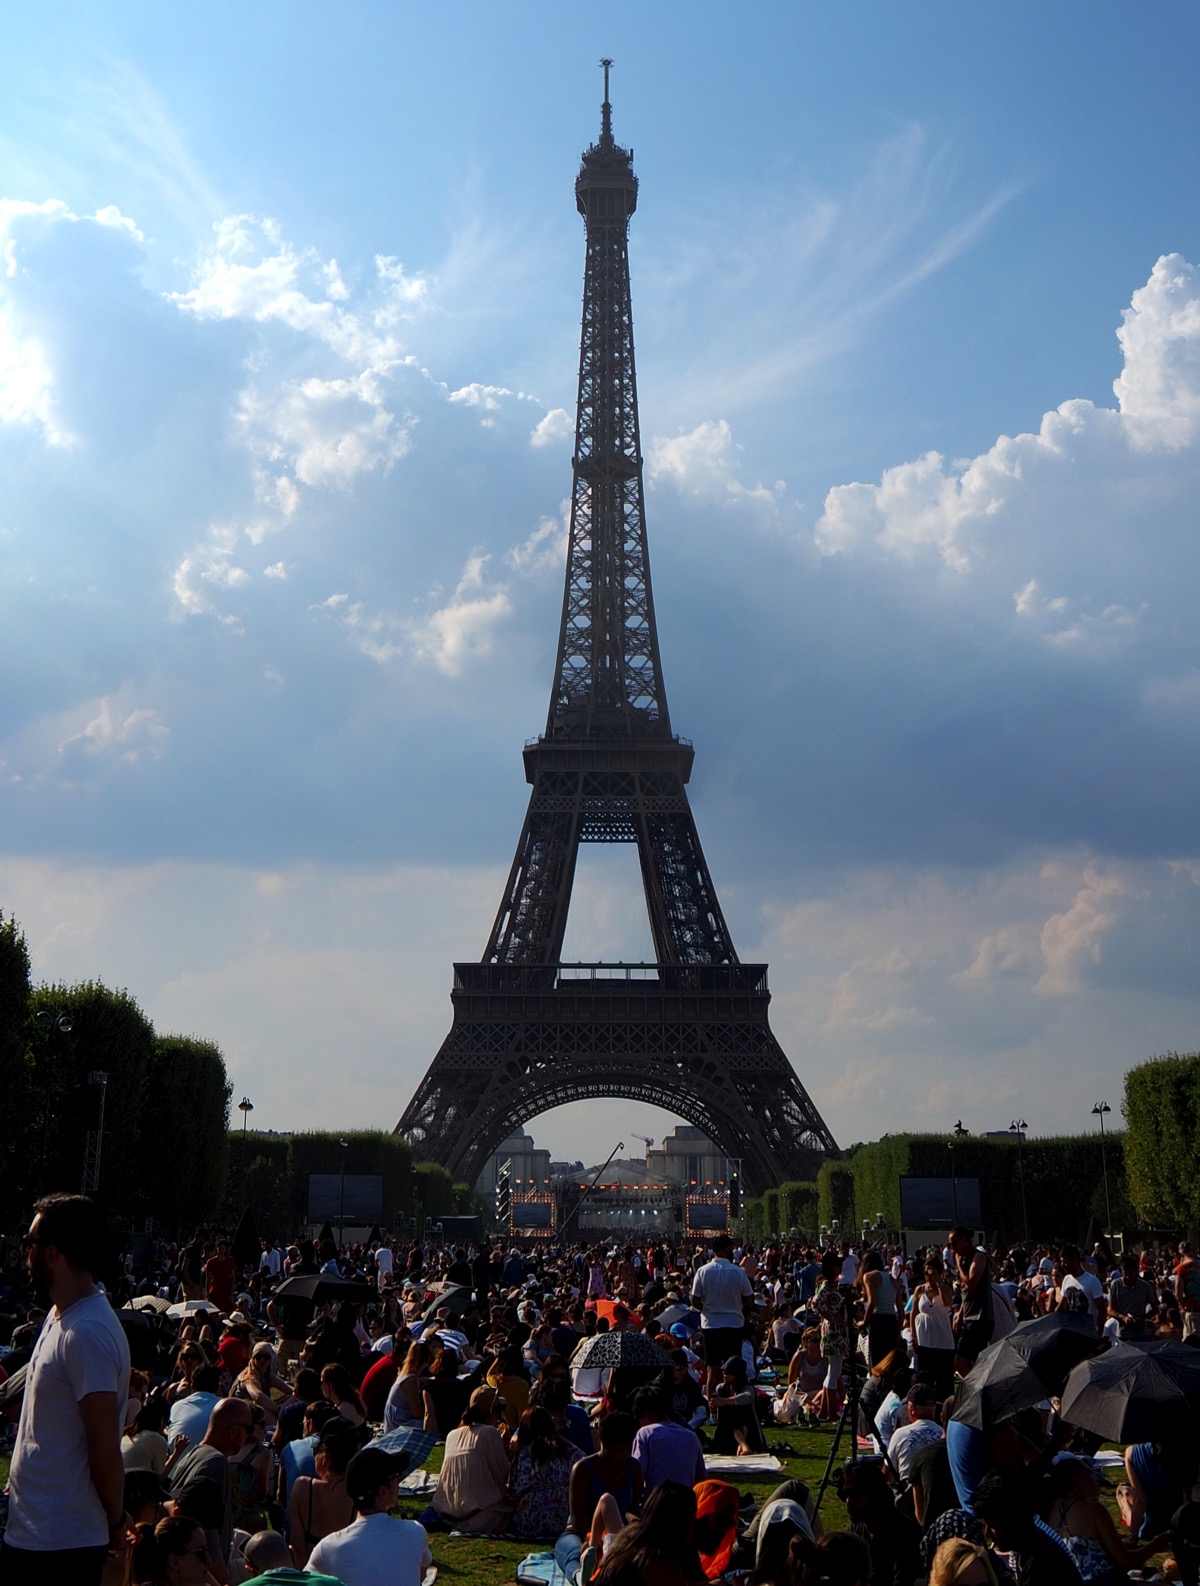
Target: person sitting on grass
x=375 y=1549
x=732 y=1405
x=541 y=1476
x=658 y=1549
x=472 y=1489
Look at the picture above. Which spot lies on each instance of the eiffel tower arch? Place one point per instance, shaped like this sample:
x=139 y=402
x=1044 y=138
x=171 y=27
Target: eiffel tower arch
x=689 y=1032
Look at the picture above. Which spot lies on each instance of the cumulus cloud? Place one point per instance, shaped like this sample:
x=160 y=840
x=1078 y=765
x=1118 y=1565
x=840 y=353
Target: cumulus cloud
x=327 y=432
x=557 y=425
x=953 y=510
x=463 y=629
x=704 y=462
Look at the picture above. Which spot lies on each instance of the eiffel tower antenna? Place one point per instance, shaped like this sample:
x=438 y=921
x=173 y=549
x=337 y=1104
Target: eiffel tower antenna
x=688 y=1033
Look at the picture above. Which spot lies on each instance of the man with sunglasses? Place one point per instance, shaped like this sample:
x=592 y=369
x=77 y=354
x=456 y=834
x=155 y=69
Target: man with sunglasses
x=67 y=1482
x=201 y=1485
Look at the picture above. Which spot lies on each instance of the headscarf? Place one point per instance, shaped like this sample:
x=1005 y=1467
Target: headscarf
x=717 y=1505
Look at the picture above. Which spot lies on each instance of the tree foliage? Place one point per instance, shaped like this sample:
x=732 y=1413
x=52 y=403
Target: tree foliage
x=15 y=1063
x=183 y=1154
x=1162 y=1115
x=111 y=1035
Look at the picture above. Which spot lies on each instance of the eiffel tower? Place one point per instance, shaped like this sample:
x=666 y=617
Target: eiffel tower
x=689 y=1032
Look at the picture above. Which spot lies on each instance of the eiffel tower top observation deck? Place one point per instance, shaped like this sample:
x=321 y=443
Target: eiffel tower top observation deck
x=688 y=1032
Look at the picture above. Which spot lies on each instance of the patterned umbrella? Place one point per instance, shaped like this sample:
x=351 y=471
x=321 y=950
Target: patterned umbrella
x=410 y=1440
x=604 y=1350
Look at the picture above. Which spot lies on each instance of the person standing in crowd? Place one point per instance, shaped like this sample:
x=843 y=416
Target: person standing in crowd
x=66 y=1484
x=932 y=1327
x=220 y=1275
x=720 y=1292
x=974 y=1320
x=880 y=1321
x=1131 y=1301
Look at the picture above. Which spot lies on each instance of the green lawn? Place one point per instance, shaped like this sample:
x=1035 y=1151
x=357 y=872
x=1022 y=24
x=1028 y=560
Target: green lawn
x=466 y=1562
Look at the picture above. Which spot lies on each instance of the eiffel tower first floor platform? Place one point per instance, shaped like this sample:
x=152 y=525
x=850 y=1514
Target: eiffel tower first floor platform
x=691 y=1039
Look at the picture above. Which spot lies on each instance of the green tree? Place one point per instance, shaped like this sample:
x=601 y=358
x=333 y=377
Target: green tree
x=183 y=1154
x=111 y=1035
x=16 y=1071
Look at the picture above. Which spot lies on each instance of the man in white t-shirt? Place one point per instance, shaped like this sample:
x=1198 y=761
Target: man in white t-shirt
x=720 y=1291
x=66 y=1485
x=849 y=1267
x=384 y=1261
x=1078 y=1278
x=914 y=1428
x=271 y=1259
x=374 y=1549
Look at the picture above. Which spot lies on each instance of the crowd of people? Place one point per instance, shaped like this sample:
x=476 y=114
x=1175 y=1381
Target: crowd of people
x=201 y=1420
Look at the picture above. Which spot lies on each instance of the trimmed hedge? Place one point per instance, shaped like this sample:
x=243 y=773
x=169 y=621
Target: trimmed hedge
x=270 y=1175
x=1064 y=1182
x=1162 y=1114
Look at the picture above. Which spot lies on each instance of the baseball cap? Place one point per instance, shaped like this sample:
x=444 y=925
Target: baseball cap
x=370 y=1469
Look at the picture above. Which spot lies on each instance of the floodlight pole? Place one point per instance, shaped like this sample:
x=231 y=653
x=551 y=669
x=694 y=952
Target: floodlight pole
x=342 y=1199
x=1100 y=1110
x=1018 y=1127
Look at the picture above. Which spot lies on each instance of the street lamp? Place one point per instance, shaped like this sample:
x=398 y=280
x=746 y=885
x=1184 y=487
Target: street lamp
x=245 y=1107
x=1099 y=1111
x=1018 y=1127
x=959 y=1131
x=342 y=1198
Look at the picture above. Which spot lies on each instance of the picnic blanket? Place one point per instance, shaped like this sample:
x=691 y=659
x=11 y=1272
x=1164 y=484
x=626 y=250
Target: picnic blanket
x=418 y=1484
x=539 y=1569
x=744 y=1464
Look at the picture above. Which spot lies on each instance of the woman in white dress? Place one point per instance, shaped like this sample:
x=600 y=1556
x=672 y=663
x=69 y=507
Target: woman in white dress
x=932 y=1327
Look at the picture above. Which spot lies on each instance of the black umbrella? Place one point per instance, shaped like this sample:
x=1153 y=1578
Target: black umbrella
x=324 y=1288
x=1025 y=1367
x=618 y=1349
x=1137 y=1393
x=456 y=1299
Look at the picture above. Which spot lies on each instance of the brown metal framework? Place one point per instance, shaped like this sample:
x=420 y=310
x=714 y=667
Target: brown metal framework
x=688 y=1033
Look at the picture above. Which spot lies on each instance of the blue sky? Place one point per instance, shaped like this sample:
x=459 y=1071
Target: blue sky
x=289 y=304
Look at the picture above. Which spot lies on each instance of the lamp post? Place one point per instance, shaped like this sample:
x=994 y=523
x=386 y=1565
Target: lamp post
x=342 y=1197
x=1018 y=1127
x=1099 y=1111
x=245 y=1107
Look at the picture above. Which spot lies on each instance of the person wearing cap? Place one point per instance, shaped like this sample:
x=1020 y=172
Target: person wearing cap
x=733 y=1408
x=374 y=1549
x=919 y=1427
x=720 y=1292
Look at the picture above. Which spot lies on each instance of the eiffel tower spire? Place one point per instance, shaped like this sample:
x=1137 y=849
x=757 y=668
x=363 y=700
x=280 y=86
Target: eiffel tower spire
x=689 y=1032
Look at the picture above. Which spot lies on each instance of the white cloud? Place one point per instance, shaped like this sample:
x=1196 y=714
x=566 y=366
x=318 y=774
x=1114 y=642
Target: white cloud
x=1075 y=938
x=557 y=425
x=704 y=462
x=327 y=432
x=114 y=729
x=956 y=510
x=1159 y=387
x=252 y=272
x=462 y=630
x=546 y=548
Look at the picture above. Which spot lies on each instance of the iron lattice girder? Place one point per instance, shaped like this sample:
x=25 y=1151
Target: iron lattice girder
x=693 y=1041
x=690 y=1034
x=609 y=673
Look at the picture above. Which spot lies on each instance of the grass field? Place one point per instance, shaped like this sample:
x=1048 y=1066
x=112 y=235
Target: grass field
x=465 y=1562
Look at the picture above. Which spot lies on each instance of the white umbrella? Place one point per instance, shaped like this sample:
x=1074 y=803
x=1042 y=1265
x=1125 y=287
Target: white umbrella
x=190 y=1307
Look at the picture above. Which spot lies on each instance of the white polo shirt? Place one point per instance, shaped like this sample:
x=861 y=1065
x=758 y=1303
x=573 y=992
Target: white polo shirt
x=374 y=1550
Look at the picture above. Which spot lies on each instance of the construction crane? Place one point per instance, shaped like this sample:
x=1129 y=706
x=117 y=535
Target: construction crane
x=646 y=1140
